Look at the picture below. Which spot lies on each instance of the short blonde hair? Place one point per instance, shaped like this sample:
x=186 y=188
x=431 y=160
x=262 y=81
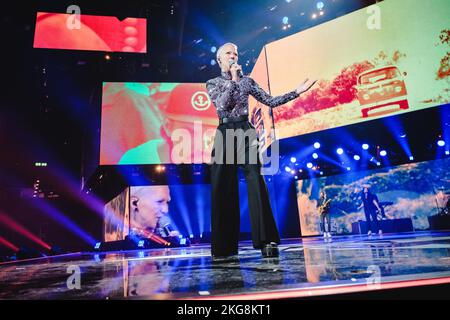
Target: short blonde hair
x=219 y=51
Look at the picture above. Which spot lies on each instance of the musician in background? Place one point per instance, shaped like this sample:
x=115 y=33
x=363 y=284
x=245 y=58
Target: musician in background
x=324 y=206
x=371 y=208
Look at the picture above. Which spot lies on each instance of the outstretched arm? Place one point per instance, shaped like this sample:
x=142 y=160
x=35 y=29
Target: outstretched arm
x=265 y=98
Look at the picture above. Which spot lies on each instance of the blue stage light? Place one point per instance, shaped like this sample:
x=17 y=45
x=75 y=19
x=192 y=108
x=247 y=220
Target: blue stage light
x=441 y=143
x=383 y=153
x=319 y=5
x=315 y=155
x=213 y=62
x=287 y=169
x=97 y=245
x=339 y=151
x=309 y=165
x=411 y=158
x=348 y=168
x=182 y=241
x=293 y=159
x=141 y=243
x=365 y=146
x=447 y=152
x=285 y=20
x=317 y=145
x=356 y=157
x=213 y=49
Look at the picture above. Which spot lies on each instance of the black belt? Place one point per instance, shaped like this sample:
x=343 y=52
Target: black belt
x=233 y=119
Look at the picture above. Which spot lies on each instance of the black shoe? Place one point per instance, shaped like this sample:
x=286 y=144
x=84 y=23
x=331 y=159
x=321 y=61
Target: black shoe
x=270 y=250
x=220 y=259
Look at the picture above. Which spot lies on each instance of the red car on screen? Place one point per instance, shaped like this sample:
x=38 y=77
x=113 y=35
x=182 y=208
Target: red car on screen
x=381 y=87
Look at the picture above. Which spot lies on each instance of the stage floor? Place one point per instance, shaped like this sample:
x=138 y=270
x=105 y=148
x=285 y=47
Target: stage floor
x=306 y=267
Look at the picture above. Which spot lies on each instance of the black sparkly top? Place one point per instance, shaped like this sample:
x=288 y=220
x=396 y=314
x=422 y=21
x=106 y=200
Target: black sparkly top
x=231 y=98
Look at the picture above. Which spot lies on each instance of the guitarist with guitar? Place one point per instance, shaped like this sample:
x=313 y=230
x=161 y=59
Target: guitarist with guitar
x=324 y=206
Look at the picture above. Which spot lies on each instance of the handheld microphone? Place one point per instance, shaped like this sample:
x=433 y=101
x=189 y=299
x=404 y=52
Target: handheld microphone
x=165 y=226
x=239 y=72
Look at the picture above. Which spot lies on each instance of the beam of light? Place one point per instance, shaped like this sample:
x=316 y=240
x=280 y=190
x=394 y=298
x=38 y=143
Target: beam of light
x=200 y=206
x=184 y=211
x=399 y=135
x=64 y=221
x=56 y=215
x=17 y=227
x=67 y=183
x=302 y=154
x=8 y=244
x=332 y=161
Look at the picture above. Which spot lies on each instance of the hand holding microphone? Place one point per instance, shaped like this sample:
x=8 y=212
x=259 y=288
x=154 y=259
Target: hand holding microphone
x=236 y=70
x=165 y=227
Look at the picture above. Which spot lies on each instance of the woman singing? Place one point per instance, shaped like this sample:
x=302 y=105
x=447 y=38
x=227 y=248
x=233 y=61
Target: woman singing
x=229 y=93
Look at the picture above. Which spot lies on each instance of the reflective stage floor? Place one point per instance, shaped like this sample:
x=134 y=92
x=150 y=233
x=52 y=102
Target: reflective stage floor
x=306 y=267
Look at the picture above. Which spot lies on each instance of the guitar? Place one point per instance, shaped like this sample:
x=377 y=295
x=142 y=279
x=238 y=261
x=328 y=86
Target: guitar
x=325 y=207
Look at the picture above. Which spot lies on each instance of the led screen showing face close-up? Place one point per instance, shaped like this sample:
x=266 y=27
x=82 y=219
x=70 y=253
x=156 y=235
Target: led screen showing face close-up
x=89 y=32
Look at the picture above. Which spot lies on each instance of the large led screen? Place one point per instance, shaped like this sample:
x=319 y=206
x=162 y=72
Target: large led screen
x=166 y=210
x=117 y=217
x=386 y=59
x=89 y=32
x=415 y=191
x=261 y=115
x=153 y=123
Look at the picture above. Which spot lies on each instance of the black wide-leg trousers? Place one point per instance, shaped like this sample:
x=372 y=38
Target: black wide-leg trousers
x=225 y=212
